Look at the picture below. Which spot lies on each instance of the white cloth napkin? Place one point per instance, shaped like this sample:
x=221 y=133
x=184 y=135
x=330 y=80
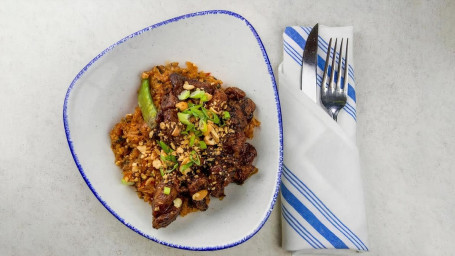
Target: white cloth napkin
x=321 y=191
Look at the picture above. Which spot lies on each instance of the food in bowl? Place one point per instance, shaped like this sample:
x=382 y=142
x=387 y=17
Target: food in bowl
x=186 y=141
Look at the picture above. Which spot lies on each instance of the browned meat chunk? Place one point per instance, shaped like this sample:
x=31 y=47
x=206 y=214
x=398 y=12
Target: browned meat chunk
x=234 y=93
x=207 y=87
x=198 y=184
x=248 y=107
x=177 y=82
x=218 y=179
x=234 y=142
x=164 y=211
x=244 y=173
x=166 y=218
x=201 y=205
x=162 y=202
x=170 y=115
x=248 y=154
x=238 y=119
x=218 y=100
x=168 y=102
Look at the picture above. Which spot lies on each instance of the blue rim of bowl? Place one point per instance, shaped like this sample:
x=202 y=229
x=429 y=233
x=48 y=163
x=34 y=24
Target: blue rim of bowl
x=277 y=101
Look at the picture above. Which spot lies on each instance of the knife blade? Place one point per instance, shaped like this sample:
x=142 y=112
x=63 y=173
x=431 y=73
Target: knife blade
x=309 y=64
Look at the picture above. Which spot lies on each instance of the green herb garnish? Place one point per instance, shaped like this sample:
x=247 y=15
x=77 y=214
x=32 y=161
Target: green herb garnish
x=184 y=118
x=226 y=115
x=184 y=95
x=194 y=157
x=197 y=94
x=202 y=145
x=203 y=126
x=185 y=166
x=165 y=147
x=192 y=138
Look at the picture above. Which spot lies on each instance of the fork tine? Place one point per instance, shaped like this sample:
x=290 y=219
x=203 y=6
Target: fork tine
x=340 y=63
x=346 y=67
x=332 y=73
x=326 y=66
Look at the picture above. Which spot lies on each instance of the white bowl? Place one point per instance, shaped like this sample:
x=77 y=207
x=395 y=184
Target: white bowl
x=221 y=42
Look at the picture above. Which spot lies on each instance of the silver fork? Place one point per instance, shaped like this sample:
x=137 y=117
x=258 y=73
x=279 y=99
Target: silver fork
x=334 y=97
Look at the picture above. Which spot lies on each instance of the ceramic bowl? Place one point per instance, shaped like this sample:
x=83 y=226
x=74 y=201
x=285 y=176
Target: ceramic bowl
x=221 y=42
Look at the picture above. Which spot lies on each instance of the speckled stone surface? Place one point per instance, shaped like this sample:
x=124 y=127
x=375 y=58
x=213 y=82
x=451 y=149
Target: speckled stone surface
x=405 y=58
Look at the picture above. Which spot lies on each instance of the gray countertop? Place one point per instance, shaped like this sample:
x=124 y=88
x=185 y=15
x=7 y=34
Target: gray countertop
x=405 y=59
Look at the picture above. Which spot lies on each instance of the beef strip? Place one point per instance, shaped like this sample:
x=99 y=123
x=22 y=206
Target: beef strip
x=238 y=119
x=243 y=173
x=166 y=218
x=198 y=184
x=168 y=102
x=248 y=154
x=248 y=107
x=207 y=87
x=234 y=93
x=218 y=179
x=178 y=80
x=218 y=100
x=233 y=143
x=164 y=211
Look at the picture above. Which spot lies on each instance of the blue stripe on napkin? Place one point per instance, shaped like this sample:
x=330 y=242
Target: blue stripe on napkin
x=321 y=207
x=301 y=230
x=293 y=53
x=312 y=219
x=294 y=35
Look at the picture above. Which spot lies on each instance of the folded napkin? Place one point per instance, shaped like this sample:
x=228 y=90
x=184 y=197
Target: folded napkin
x=321 y=189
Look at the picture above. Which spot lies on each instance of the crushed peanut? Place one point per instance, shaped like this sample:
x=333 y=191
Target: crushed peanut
x=181 y=105
x=198 y=196
x=188 y=86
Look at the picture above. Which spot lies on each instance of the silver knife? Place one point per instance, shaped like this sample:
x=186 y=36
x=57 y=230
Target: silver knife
x=309 y=64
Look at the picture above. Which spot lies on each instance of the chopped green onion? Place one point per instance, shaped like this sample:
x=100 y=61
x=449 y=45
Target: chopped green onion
x=206 y=112
x=185 y=166
x=226 y=115
x=197 y=94
x=189 y=128
x=165 y=147
x=215 y=118
x=202 y=145
x=184 y=95
x=171 y=158
x=192 y=140
x=168 y=158
x=203 y=126
x=184 y=118
x=162 y=171
x=204 y=98
x=194 y=157
x=197 y=113
x=129 y=183
x=198 y=133
x=173 y=168
x=167 y=190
